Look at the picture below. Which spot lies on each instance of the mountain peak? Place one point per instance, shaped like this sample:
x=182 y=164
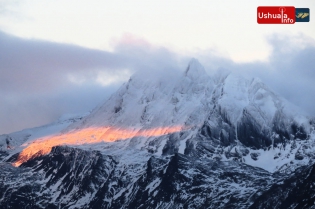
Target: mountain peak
x=194 y=69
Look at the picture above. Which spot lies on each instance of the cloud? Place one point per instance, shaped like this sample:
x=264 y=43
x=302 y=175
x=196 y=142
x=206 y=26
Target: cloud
x=30 y=65
x=290 y=70
x=34 y=65
x=19 y=111
x=41 y=80
x=294 y=72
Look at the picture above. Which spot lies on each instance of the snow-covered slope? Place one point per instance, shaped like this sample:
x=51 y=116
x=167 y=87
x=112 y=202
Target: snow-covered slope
x=15 y=142
x=224 y=110
x=188 y=99
x=186 y=140
x=147 y=102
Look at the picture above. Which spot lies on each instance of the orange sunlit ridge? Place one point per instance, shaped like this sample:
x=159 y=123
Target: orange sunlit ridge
x=43 y=146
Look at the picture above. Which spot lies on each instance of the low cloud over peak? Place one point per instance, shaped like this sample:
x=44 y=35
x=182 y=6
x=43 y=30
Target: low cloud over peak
x=41 y=80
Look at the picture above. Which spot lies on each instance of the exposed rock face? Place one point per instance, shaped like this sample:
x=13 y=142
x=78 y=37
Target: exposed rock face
x=74 y=178
x=297 y=191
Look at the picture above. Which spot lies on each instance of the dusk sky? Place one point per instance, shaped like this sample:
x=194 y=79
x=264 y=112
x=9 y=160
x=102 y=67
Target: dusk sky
x=66 y=57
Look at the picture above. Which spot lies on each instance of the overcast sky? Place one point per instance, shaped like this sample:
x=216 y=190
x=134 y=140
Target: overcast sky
x=59 y=57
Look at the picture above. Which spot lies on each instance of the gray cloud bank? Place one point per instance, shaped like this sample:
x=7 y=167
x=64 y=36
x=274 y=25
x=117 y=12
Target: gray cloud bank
x=41 y=80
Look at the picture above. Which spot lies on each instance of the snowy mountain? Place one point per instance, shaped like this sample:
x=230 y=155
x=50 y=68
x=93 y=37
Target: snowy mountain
x=176 y=141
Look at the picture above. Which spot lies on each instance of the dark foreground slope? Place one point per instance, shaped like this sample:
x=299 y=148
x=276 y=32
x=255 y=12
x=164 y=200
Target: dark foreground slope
x=73 y=178
x=297 y=191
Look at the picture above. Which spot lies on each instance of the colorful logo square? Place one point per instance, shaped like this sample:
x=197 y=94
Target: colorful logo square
x=302 y=14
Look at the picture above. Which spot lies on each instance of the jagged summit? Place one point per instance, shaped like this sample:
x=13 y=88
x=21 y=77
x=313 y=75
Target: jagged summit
x=194 y=69
x=251 y=110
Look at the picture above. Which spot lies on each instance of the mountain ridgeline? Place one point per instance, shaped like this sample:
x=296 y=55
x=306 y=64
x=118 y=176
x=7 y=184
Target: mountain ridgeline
x=236 y=145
